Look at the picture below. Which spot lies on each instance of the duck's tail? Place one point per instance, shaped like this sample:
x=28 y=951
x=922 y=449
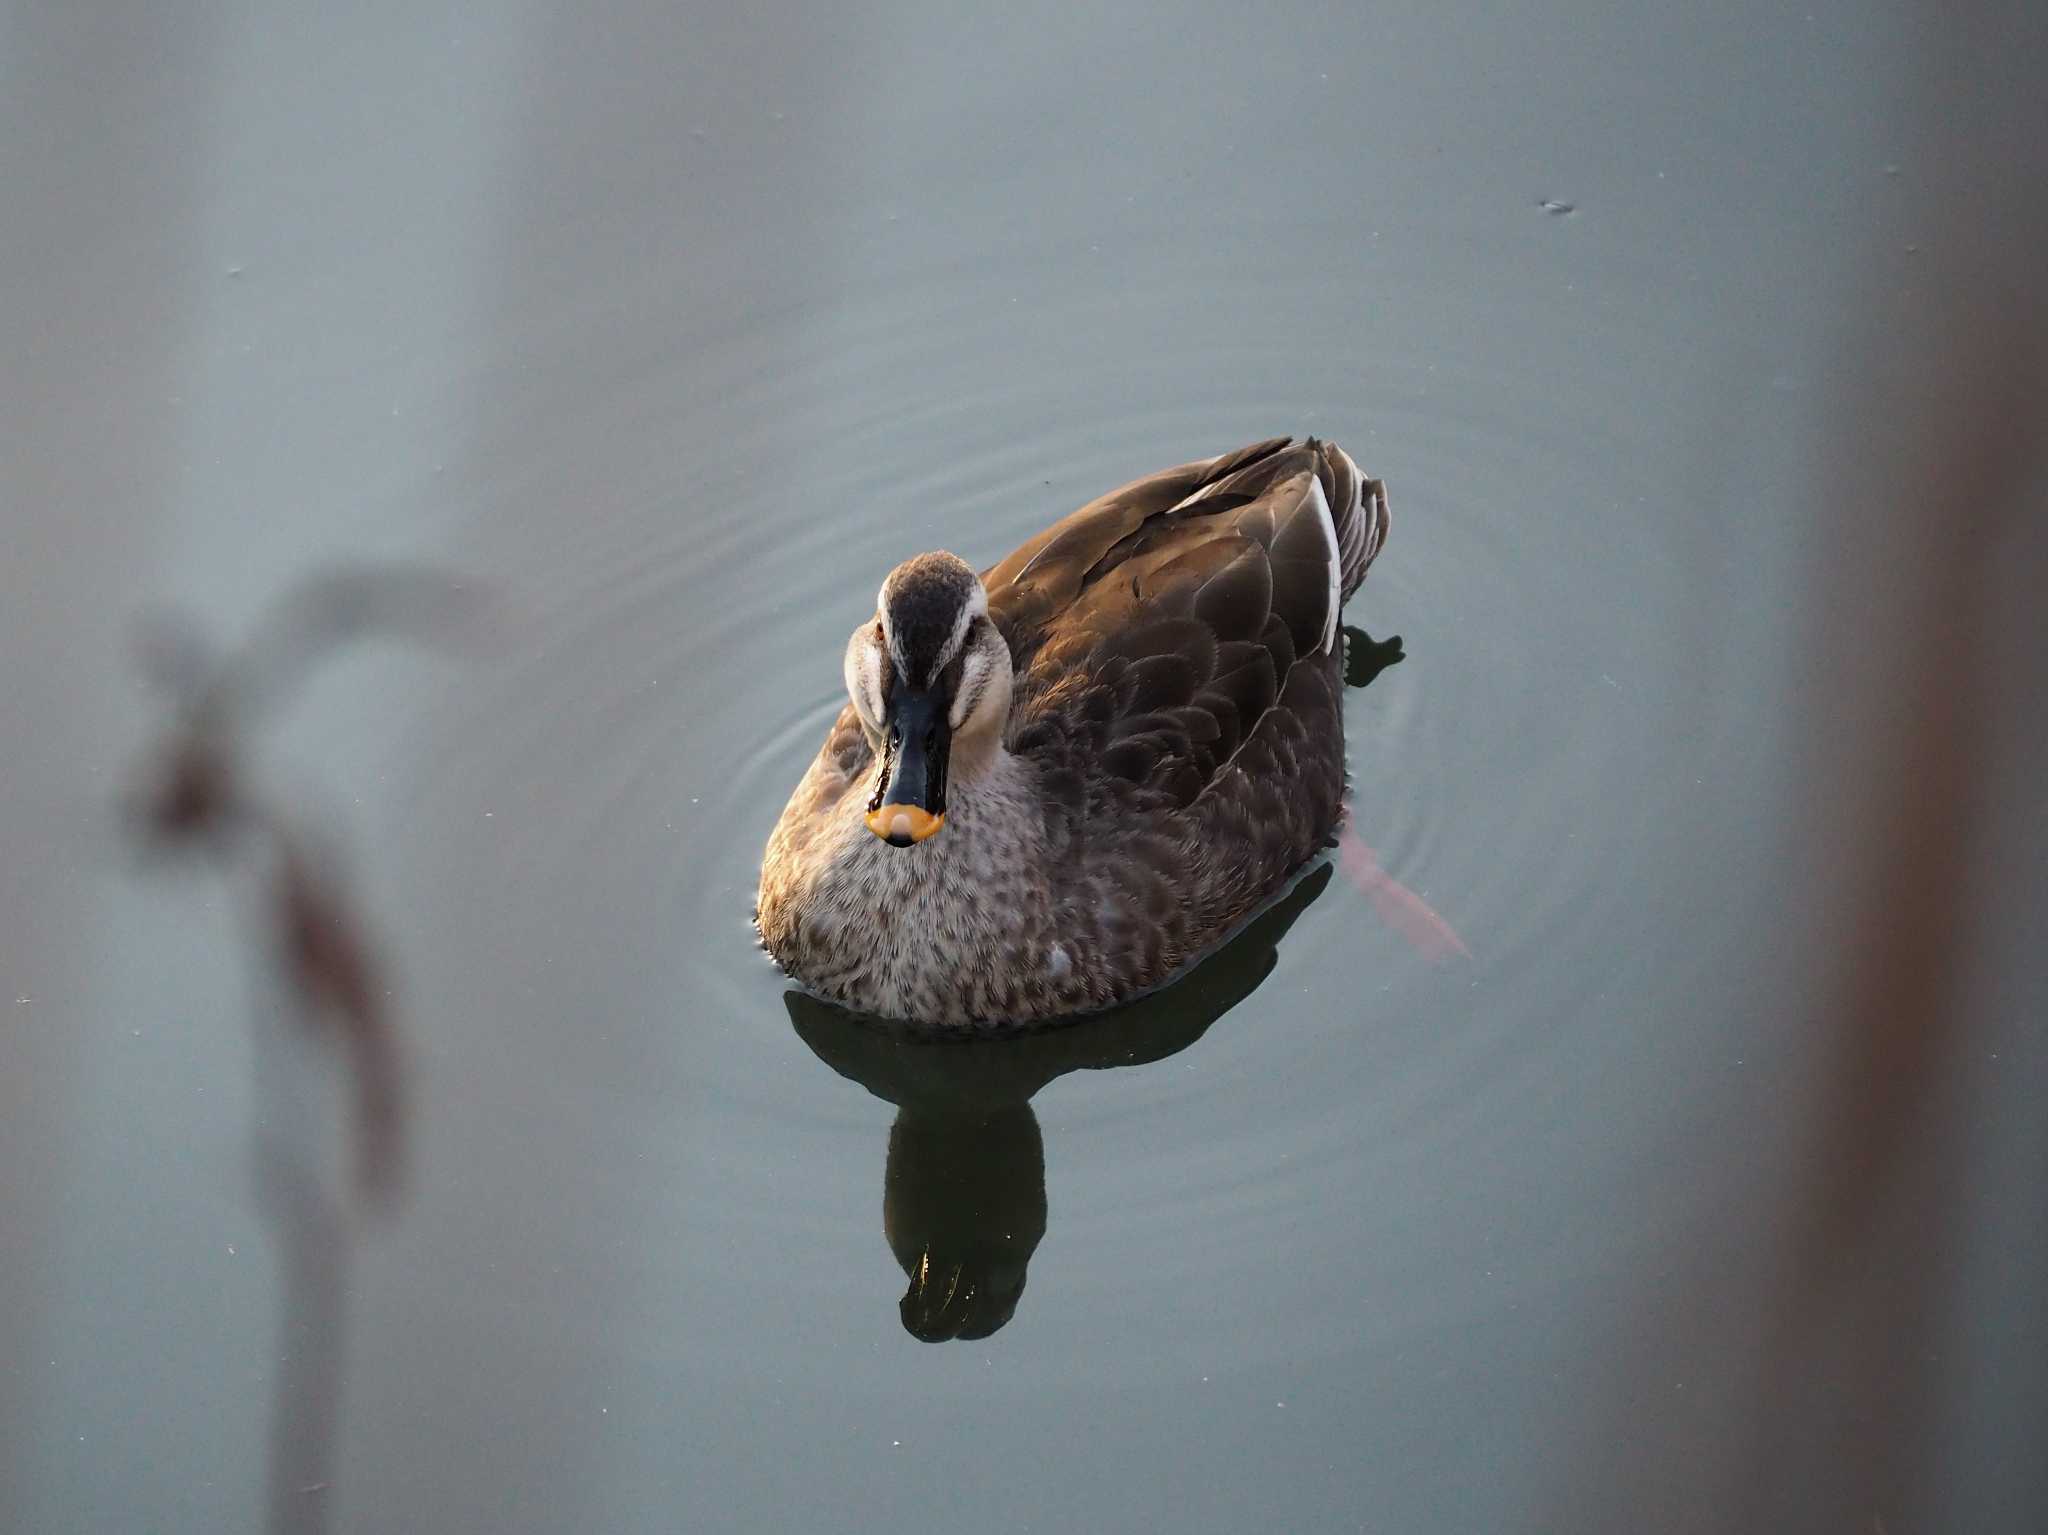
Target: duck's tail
x=1358 y=508
x=1358 y=505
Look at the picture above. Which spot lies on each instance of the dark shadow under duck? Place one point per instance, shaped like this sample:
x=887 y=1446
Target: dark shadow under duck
x=1060 y=781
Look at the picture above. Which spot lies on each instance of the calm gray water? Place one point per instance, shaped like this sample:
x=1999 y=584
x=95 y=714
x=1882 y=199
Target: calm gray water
x=676 y=330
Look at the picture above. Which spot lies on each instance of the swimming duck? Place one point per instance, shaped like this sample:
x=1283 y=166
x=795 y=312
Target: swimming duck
x=1059 y=781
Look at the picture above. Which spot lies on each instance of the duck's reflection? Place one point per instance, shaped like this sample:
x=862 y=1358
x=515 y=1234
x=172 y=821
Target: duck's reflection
x=963 y=1195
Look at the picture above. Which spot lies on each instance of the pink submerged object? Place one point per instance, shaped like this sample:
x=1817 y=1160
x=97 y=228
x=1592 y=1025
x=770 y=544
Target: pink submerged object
x=1399 y=907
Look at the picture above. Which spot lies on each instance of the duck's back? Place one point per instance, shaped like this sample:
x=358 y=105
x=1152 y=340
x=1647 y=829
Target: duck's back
x=1177 y=694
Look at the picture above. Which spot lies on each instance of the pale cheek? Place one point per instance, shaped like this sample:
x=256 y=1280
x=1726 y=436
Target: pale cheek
x=864 y=686
x=962 y=710
x=969 y=697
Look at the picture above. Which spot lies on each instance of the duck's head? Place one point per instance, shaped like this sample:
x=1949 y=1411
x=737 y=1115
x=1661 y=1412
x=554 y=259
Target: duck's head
x=930 y=680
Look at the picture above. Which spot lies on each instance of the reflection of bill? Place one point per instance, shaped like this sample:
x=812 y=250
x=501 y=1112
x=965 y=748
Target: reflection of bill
x=963 y=1201
x=963 y=1209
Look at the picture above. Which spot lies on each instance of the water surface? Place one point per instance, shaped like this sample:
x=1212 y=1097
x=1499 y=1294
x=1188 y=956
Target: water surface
x=678 y=331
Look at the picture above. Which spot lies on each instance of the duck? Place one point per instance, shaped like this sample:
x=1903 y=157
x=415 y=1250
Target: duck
x=1059 y=782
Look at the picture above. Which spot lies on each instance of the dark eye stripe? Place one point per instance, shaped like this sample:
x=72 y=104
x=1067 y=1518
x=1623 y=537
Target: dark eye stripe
x=955 y=669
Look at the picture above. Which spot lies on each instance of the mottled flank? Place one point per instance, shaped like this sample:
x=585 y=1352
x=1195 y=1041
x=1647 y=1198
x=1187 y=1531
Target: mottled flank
x=1173 y=751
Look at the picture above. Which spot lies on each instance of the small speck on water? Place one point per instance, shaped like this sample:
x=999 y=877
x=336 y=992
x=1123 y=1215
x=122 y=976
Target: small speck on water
x=1556 y=209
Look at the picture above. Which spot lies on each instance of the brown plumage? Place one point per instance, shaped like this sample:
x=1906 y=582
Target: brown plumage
x=1162 y=749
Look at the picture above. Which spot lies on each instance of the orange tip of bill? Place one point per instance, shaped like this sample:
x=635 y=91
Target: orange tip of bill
x=901 y=825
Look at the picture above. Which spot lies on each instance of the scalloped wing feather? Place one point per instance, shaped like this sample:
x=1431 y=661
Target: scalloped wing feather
x=1157 y=630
